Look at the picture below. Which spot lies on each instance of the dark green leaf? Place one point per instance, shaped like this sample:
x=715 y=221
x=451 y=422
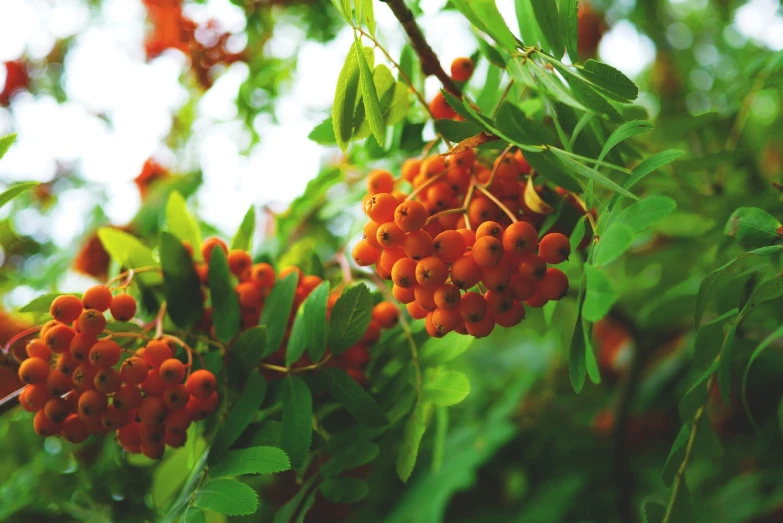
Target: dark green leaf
x=243 y=239
x=490 y=53
x=277 y=310
x=193 y=515
x=15 y=190
x=181 y=284
x=569 y=25
x=766 y=342
x=250 y=346
x=227 y=496
x=456 y=131
x=372 y=106
x=676 y=455
x=345 y=99
x=323 y=133
x=350 y=317
x=354 y=398
x=445 y=388
x=589 y=173
x=460 y=108
x=653 y=512
x=409 y=451
x=182 y=501
x=622 y=133
x=349 y=458
x=600 y=295
x=344 y=490
x=766 y=291
x=297 y=432
x=285 y=514
x=513 y=123
x=546 y=164
x=240 y=416
x=254 y=460
x=181 y=224
x=5 y=143
x=315 y=320
x=725 y=363
x=646 y=212
x=615 y=83
x=753 y=227
x=549 y=23
x=225 y=303
x=297 y=340
x=554 y=86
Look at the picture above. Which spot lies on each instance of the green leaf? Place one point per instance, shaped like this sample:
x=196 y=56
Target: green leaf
x=297 y=340
x=126 y=249
x=599 y=297
x=546 y=164
x=297 y=431
x=43 y=303
x=753 y=227
x=225 y=303
x=345 y=99
x=350 y=317
x=446 y=388
x=368 y=15
x=646 y=212
x=255 y=460
x=490 y=53
x=589 y=173
x=456 y=131
x=436 y=351
x=5 y=143
x=613 y=243
x=578 y=234
x=649 y=165
x=372 y=106
x=549 y=23
x=411 y=439
x=554 y=86
x=616 y=84
x=15 y=190
x=315 y=320
x=766 y=291
x=354 y=398
x=588 y=97
x=569 y=25
x=185 y=495
x=323 y=133
x=277 y=310
x=344 y=490
x=676 y=455
x=622 y=133
x=400 y=104
x=348 y=458
x=484 y=15
x=725 y=363
x=239 y=417
x=181 y=284
x=243 y=239
x=181 y=224
x=742 y=265
x=441 y=431
x=193 y=515
x=766 y=342
x=653 y=512
x=227 y=496
x=250 y=346
x=513 y=123
x=528 y=26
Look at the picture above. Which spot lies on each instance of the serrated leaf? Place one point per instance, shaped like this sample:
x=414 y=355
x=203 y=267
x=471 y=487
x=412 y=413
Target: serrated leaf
x=546 y=164
x=739 y=266
x=400 y=104
x=194 y=480
x=589 y=173
x=254 y=460
x=225 y=303
x=456 y=131
x=653 y=512
x=436 y=351
x=227 y=496
x=277 y=310
x=344 y=490
x=555 y=87
x=490 y=53
x=193 y=515
x=613 y=243
x=354 y=398
x=753 y=227
x=43 y=303
x=181 y=224
x=569 y=26
x=599 y=295
x=765 y=343
x=240 y=416
x=766 y=291
x=297 y=340
x=411 y=439
x=649 y=165
x=297 y=432
x=646 y=212
x=315 y=320
x=5 y=143
x=243 y=239
x=372 y=106
x=549 y=23
x=323 y=133
x=676 y=453
x=345 y=97
x=349 y=458
x=725 y=363
x=126 y=249
x=513 y=123
x=350 y=317
x=484 y=15
x=624 y=132
x=446 y=388
x=181 y=284
x=612 y=81
x=250 y=346
x=15 y=190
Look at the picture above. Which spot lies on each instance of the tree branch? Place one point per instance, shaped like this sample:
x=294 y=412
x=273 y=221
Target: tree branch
x=430 y=65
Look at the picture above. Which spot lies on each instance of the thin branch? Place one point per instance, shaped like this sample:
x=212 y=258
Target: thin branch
x=497 y=202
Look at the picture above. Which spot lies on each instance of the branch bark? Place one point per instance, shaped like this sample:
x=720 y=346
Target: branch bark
x=430 y=65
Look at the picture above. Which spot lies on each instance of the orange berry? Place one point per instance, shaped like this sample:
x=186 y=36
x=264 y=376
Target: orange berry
x=249 y=295
x=487 y=251
x=84 y=377
x=151 y=434
x=465 y=272
x=440 y=108
x=554 y=248
x=449 y=246
x=128 y=437
x=263 y=275
x=389 y=235
x=200 y=408
x=177 y=421
x=58 y=339
x=532 y=266
x=107 y=381
x=483 y=327
x=74 y=429
x=410 y=169
x=92 y=403
x=34 y=371
x=425 y=297
x=410 y=216
x=446 y=320
x=404 y=273
x=370 y=233
x=156 y=352
x=520 y=237
x=209 y=244
x=365 y=254
x=498 y=302
x=105 y=354
x=44 y=426
x=123 y=307
x=415 y=310
x=522 y=287
x=36 y=348
x=175 y=439
x=430 y=327
x=511 y=317
x=461 y=69
x=441 y=196
x=66 y=308
x=91 y=322
x=35 y=397
x=481 y=210
x=402 y=294
x=463 y=160
x=380 y=181
x=472 y=307
x=201 y=384
x=154 y=384
x=433 y=165
x=383 y=273
x=58 y=382
x=114 y=418
x=447 y=296
x=153 y=450
x=497 y=278
x=537 y=300
x=239 y=262
x=385 y=314
x=506 y=167
x=371 y=335
x=380 y=208
x=176 y=397
x=554 y=285
x=431 y=271
x=67 y=363
x=172 y=371
x=469 y=237
x=489 y=228
x=127 y=397
x=98 y=298
x=417 y=244
x=152 y=411
x=81 y=345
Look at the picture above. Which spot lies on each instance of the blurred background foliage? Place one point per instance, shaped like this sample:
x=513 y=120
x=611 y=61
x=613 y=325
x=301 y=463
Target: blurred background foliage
x=523 y=446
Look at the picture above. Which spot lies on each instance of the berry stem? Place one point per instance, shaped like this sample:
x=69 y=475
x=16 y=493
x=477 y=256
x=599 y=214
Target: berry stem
x=19 y=336
x=498 y=203
x=159 y=320
x=446 y=213
x=129 y=274
x=426 y=184
x=187 y=348
x=497 y=165
x=467 y=200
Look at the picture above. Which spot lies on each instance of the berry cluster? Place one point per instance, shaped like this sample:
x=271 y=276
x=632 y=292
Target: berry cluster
x=149 y=398
x=461 y=71
x=461 y=249
x=255 y=282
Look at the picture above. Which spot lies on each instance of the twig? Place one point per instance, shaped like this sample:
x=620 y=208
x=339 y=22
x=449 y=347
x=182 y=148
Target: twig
x=496 y=166
x=498 y=203
x=437 y=215
x=159 y=320
x=426 y=184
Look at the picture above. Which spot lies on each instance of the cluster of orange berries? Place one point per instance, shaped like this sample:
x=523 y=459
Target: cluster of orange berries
x=78 y=384
x=455 y=277
x=255 y=282
x=461 y=71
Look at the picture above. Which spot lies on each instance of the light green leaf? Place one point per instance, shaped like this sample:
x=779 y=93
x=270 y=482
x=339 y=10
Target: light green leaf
x=484 y=15
x=227 y=496
x=15 y=190
x=589 y=173
x=126 y=249
x=549 y=23
x=243 y=239
x=277 y=310
x=753 y=227
x=528 y=26
x=323 y=133
x=555 y=87
x=315 y=320
x=436 y=351
x=181 y=223
x=297 y=340
x=181 y=284
x=254 y=460
x=400 y=104
x=42 y=303
x=411 y=439
x=345 y=99
x=446 y=388
x=622 y=133
x=649 y=165
x=613 y=82
x=193 y=515
x=599 y=296
x=569 y=26
x=5 y=143
x=368 y=14
x=297 y=432
x=646 y=212
x=225 y=303
x=344 y=490
x=372 y=106
x=350 y=317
